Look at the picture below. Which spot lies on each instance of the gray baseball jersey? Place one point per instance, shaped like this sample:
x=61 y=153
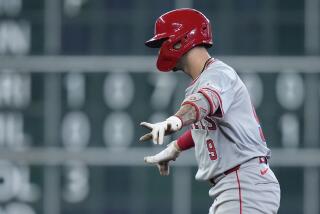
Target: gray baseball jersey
x=232 y=134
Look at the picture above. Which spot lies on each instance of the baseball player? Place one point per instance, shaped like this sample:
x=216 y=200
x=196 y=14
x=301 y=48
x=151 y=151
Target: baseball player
x=230 y=147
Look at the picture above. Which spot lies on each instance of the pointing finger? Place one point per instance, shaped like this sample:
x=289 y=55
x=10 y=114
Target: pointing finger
x=155 y=135
x=145 y=137
x=163 y=168
x=147 y=125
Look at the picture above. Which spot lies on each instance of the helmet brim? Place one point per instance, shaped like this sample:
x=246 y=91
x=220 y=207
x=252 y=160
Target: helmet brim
x=156 y=41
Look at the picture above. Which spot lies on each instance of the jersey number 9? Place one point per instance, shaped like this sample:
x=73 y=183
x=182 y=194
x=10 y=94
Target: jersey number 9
x=212 y=150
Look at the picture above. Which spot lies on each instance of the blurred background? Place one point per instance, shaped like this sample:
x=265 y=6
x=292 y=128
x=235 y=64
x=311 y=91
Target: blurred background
x=76 y=80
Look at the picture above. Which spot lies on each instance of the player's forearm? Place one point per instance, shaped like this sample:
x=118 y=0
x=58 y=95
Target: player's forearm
x=193 y=109
x=188 y=114
x=197 y=106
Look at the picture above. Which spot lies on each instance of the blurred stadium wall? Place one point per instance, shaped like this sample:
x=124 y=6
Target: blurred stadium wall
x=76 y=80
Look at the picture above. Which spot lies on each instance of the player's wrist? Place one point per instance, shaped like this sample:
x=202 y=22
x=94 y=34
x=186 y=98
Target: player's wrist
x=176 y=146
x=175 y=123
x=174 y=150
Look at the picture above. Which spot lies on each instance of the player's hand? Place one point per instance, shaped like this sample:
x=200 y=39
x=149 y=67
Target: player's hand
x=159 y=130
x=162 y=159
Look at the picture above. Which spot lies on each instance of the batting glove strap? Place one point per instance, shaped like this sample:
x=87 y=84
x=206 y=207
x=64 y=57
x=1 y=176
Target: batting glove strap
x=174 y=123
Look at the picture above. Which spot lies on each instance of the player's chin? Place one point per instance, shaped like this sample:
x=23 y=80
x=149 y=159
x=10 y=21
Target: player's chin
x=176 y=68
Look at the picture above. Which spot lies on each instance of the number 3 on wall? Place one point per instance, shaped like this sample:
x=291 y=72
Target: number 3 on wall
x=212 y=150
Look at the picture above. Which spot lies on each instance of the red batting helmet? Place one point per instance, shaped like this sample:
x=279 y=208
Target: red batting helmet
x=176 y=32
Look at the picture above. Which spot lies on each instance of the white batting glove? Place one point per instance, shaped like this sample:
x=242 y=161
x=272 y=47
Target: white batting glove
x=159 y=130
x=162 y=159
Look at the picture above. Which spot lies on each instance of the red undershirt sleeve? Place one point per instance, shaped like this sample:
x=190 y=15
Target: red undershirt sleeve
x=185 y=141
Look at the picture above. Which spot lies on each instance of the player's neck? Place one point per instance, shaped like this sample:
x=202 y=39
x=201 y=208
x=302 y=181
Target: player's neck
x=194 y=61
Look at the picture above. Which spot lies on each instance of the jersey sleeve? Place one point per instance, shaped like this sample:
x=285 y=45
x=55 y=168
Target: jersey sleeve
x=217 y=87
x=200 y=104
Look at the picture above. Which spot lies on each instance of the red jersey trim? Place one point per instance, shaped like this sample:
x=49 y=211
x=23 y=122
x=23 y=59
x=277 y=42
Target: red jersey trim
x=213 y=107
x=209 y=63
x=220 y=102
x=195 y=106
x=212 y=60
x=194 y=81
x=239 y=189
